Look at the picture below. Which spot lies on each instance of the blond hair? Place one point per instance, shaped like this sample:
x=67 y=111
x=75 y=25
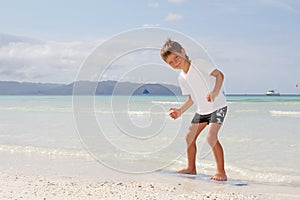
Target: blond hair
x=169 y=47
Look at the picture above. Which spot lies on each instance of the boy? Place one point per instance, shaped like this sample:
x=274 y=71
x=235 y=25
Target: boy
x=202 y=82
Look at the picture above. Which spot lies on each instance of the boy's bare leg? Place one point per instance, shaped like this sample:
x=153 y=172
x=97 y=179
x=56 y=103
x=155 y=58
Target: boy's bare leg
x=219 y=157
x=191 y=138
x=212 y=138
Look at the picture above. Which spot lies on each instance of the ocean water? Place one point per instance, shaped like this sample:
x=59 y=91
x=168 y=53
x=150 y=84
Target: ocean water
x=260 y=136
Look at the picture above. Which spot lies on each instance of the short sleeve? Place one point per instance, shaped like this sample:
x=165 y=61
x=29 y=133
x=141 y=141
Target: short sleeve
x=206 y=67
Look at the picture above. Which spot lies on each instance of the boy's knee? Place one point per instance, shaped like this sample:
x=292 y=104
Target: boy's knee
x=190 y=138
x=211 y=139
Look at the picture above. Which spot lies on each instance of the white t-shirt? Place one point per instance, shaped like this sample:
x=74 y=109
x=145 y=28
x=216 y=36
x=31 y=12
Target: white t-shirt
x=198 y=83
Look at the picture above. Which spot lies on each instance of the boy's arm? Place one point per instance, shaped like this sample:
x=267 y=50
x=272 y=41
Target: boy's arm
x=177 y=112
x=219 y=81
x=187 y=104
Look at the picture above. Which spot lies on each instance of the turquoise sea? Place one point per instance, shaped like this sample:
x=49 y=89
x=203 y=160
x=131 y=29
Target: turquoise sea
x=261 y=134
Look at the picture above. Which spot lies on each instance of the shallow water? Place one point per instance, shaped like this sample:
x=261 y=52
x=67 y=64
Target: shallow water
x=260 y=136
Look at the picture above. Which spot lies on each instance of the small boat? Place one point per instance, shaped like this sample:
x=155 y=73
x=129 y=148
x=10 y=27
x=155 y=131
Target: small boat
x=272 y=93
x=145 y=92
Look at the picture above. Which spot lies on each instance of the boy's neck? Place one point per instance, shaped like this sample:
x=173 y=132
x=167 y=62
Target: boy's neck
x=186 y=67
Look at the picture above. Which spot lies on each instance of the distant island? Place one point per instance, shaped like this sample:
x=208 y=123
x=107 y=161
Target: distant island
x=87 y=88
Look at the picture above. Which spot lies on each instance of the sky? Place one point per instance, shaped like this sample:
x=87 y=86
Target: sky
x=255 y=43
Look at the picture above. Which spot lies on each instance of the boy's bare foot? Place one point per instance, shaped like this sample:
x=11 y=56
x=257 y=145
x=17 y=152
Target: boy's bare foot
x=187 y=171
x=219 y=177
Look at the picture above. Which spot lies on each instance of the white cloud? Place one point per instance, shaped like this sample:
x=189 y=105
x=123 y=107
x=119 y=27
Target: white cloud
x=286 y=4
x=153 y=4
x=173 y=17
x=151 y=25
x=177 y=1
x=26 y=59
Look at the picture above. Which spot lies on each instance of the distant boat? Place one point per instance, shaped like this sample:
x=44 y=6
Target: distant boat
x=146 y=92
x=272 y=93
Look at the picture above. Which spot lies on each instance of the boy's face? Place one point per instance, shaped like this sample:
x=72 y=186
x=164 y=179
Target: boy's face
x=176 y=60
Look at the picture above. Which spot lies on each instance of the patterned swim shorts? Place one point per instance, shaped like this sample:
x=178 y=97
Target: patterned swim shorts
x=215 y=117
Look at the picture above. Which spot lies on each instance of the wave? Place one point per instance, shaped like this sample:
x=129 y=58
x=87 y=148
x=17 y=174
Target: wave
x=167 y=102
x=246 y=110
x=37 y=109
x=285 y=113
x=247 y=173
x=43 y=151
x=257 y=176
x=263 y=176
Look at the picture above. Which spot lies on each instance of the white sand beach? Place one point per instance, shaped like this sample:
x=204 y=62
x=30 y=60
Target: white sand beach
x=17 y=186
x=40 y=177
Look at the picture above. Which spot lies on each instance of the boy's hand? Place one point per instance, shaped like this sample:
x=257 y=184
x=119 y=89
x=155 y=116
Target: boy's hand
x=175 y=113
x=211 y=96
